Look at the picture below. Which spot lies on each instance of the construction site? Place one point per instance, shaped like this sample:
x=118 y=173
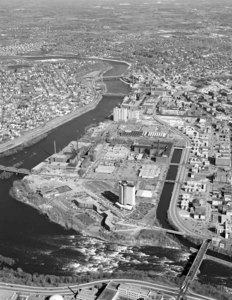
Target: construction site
x=108 y=181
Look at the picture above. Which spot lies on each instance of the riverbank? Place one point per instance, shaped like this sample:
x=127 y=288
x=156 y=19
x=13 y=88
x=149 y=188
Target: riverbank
x=39 y=133
x=40 y=246
x=12 y=149
x=67 y=219
x=33 y=136
x=22 y=226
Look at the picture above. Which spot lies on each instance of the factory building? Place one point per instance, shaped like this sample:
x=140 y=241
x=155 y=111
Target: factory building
x=158 y=150
x=96 y=152
x=125 y=114
x=120 y=114
x=133 y=114
x=126 y=193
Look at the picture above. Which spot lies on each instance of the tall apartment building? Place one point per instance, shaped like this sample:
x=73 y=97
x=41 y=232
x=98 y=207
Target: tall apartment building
x=126 y=193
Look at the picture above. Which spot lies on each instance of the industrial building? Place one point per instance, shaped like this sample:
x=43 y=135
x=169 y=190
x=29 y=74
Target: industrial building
x=154 y=149
x=105 y=169
x=120 y=114
x=96 y=152
x=87 y=203
x=149 y=171
x=125 y=114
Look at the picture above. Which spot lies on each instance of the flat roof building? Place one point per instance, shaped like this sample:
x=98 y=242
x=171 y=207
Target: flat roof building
x=126 y=193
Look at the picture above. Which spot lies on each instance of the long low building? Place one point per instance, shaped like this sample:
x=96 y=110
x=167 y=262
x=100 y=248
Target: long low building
x=115 y=291
x=149 y=171
x=144 y=193
x=105 y=169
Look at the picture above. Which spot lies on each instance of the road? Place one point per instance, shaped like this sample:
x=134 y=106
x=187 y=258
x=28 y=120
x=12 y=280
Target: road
x=174 y=217
x=65 y=290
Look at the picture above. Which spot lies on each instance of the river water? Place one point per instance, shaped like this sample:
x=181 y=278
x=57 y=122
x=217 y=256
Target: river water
x=40 y=246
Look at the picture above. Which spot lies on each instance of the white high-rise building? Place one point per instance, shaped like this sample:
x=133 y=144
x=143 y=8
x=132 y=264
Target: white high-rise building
x=126 y=193
x=122 y=184
x=129 y=194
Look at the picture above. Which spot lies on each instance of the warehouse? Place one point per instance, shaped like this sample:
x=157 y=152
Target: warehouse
x=149 y=171
x=105 y=169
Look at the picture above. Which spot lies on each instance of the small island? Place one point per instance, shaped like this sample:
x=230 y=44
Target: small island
x=105 y=184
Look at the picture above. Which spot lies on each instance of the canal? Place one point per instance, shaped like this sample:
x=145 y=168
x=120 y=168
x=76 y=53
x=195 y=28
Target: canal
x=208 y=273
x=172 y=173
x=162 y=209
x=166 y=195
x=176 y=157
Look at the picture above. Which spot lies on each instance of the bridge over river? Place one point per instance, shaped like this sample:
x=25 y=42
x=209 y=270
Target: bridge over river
x=115 y=94
x=111 y=78
x=194 y=268
x=15 y=170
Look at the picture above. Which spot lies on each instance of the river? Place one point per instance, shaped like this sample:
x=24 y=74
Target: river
x=40 y=246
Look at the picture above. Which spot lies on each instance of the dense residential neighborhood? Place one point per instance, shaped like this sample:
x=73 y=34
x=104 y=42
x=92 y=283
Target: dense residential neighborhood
x=35 y=92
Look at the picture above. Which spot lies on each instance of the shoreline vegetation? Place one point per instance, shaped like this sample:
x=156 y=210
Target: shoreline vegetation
x=24 y=144
x=18 y=276
x=22 y=193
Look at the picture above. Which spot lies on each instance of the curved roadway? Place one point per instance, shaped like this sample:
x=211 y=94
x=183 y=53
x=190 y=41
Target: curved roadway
x=172 y=211
x=64 y=290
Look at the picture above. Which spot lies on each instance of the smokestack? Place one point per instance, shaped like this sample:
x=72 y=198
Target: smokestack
x=54 y=146
x=77 y=144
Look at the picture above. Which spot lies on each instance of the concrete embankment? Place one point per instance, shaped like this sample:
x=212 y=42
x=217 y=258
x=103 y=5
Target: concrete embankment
x=16 y=147
x=59 y=215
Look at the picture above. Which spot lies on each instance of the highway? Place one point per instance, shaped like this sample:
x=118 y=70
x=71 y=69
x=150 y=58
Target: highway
x=64 y=290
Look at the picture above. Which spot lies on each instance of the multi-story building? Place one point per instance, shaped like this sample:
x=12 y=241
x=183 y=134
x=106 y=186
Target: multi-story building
x=127 y=193
x=125 y=114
